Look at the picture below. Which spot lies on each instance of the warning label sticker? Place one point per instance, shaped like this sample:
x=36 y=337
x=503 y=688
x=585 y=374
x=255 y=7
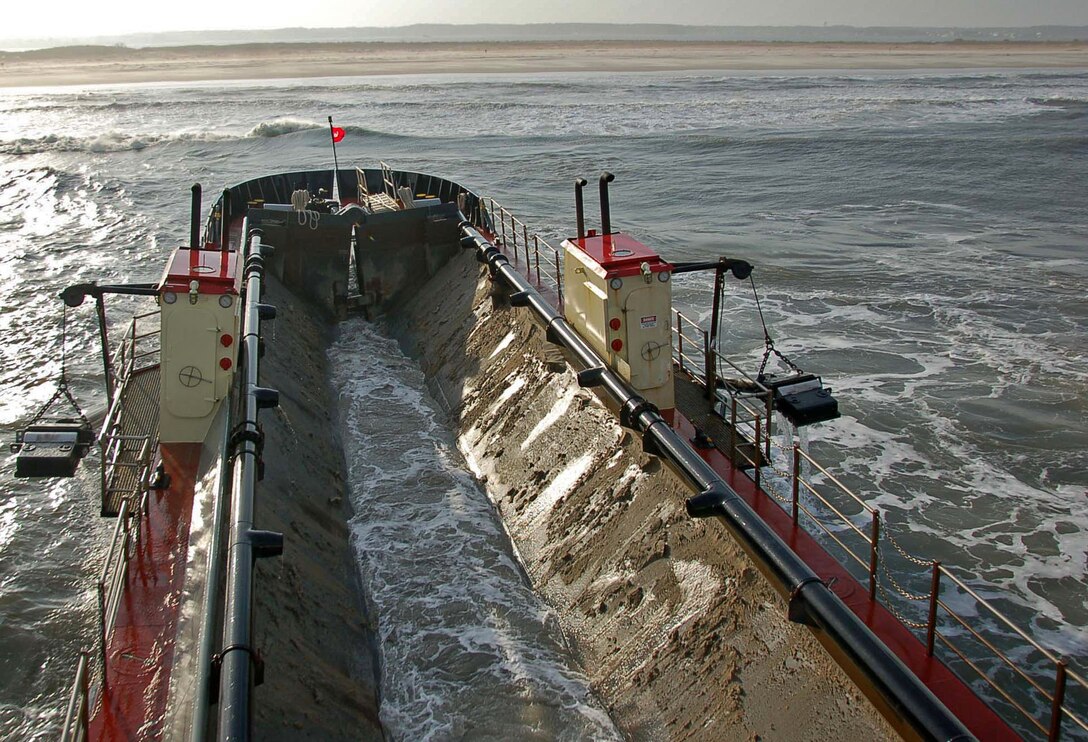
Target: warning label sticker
x=647 y=322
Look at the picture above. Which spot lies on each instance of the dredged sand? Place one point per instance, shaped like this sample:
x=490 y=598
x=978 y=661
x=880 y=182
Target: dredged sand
x=89 y=65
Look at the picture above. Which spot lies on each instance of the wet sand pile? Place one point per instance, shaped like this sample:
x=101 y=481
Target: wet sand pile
x=310 y=617
x=678 y=632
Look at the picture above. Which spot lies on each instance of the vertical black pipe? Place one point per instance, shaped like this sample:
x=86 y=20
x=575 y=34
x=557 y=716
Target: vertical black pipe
x=100 y=308
x=579 y=209
x=606 y=215
x=246 y=543
x=194 y=218
x=715 y=318
x=224 y=228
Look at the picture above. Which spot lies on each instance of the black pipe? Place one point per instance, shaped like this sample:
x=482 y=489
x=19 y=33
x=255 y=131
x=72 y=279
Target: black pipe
x=579 y=210
x=238 y=656
x=810 y=600
x=194 y=218
x=224 y=225
x=741 y=269
x=606 y=214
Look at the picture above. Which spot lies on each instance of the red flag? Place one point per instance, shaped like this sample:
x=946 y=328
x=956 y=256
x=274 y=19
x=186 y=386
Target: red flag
x=337 y=133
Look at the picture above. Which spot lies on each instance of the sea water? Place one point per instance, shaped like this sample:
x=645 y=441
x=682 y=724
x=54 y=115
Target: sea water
x=918 y=239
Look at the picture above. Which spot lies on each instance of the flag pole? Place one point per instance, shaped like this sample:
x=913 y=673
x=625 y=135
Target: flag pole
x=335 y=164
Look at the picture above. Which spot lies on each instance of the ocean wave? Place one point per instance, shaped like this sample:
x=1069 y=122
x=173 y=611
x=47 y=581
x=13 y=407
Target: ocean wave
x=105 y=142
x=281 y=126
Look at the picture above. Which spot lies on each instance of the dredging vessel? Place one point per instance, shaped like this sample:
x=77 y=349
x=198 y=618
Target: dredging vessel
x=183 y=450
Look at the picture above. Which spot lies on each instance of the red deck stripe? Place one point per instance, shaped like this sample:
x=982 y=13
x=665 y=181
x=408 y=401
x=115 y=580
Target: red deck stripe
x=141 y=650
x=982 y=720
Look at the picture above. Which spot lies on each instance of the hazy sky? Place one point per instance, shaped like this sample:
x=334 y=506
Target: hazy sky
x=56 y=18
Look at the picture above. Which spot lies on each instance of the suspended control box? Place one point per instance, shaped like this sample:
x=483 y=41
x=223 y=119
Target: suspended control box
x=618 y=295
x=803 y=399
x=51 y=448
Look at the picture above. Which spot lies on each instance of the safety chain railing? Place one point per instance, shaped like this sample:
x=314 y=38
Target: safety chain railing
x=840 y=515
x=690 y=347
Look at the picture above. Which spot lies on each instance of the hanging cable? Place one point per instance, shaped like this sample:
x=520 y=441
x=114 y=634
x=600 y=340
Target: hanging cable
x=62 y=381
x=768 y=342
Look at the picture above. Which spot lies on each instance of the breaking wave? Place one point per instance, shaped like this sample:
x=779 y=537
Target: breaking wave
x=105 y=142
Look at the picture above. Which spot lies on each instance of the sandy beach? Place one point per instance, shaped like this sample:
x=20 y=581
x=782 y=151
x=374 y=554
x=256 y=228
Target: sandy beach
x=89 y=65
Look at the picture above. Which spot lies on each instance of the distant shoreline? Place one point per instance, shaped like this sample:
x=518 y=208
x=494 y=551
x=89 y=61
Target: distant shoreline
x=89 y=65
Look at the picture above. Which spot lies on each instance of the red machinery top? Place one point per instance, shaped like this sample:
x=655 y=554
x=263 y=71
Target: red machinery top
x=620 y=254
x=215 y=270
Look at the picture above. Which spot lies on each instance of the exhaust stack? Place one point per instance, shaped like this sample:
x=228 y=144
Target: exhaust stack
x=579 y=184
x=194 y=219
x=606 y=215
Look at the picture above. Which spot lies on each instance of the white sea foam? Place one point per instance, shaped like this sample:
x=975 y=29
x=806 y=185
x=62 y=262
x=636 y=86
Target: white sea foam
x=468 y=649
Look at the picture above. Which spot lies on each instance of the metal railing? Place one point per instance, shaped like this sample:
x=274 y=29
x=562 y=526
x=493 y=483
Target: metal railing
x=835 y=512
x=90 y=677
x=128 y=453
x=530 y=253
x=78 y=714
x=138 y=350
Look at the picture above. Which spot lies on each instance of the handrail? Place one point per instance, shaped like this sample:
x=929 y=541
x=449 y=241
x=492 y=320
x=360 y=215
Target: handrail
x=109 y=589
x=77 y=716
x=686 y=352
x=389 y=184
x=528 y=258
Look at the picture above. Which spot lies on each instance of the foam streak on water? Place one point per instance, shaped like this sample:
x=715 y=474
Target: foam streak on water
x=468 y=651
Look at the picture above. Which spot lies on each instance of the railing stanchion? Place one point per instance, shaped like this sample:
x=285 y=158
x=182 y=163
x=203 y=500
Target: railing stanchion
x=874 y=555
x=102 y=630
x=758 y=450
x=796 y=478
x=934 y=594
x=558 y=277
x=733 y=429
x=1058 y=703
x=680 y=338
x=502 y=227
x=769 y=417
x=708 y=368
x=536 y=256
